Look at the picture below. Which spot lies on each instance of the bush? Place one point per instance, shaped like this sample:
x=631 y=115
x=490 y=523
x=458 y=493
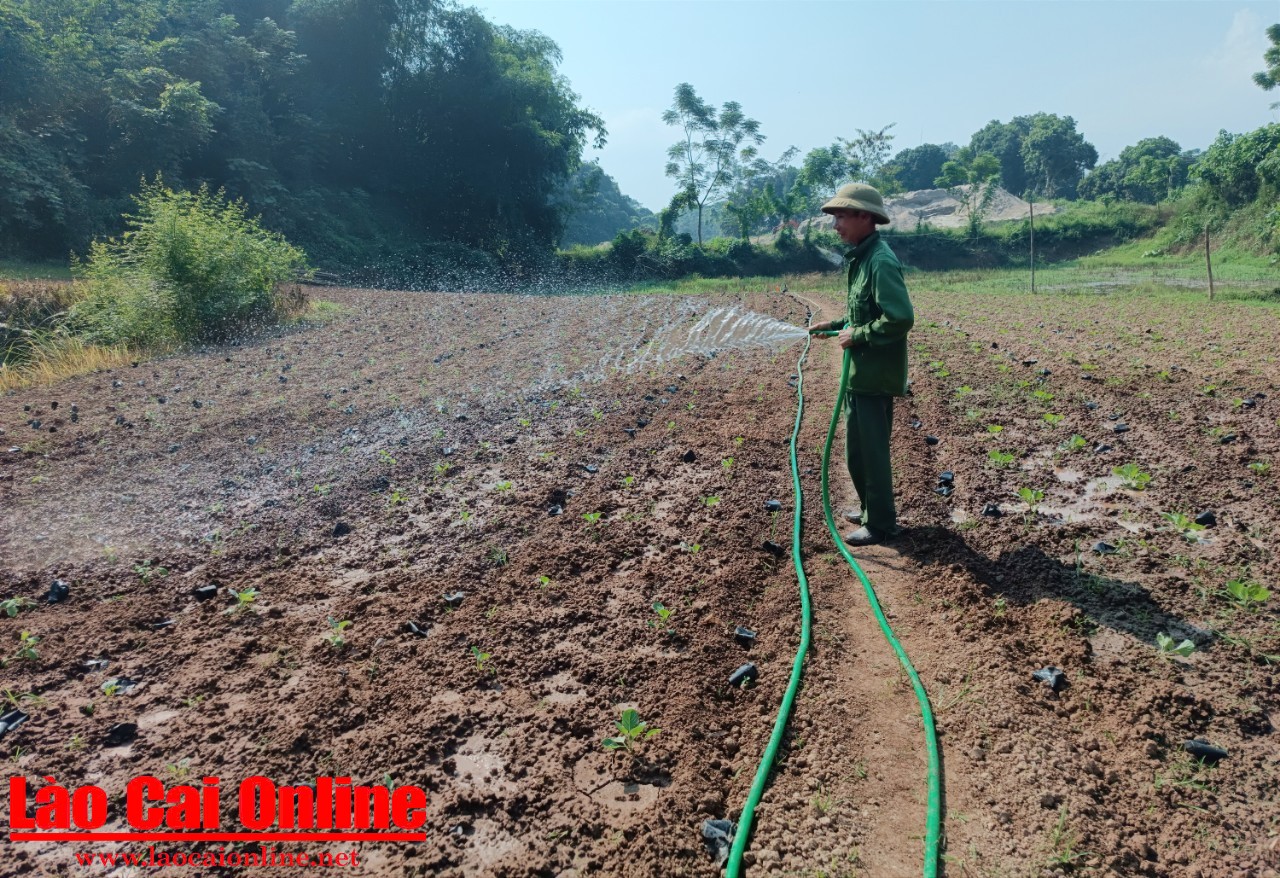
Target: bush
x=190 y=267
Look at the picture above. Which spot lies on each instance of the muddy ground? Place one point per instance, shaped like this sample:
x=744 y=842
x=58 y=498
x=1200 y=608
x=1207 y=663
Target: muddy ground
x=418 y=445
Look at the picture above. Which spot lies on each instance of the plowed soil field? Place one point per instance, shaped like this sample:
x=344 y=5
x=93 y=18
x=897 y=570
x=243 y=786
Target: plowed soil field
x=437 y=528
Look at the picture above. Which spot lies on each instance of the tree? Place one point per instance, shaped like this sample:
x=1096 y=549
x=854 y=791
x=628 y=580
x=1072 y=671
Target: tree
x=919 y=166
x=1270 y=78
x=868 y=153
x=706 y=160
x=971 y=179
x=1151 y=170
x=595 y=209
x=1004 y=141
x=1055 y=155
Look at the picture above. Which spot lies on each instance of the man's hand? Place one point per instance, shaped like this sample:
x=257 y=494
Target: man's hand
x=846 y=337
x=820 y=327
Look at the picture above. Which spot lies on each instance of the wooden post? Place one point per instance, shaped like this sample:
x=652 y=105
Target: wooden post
x=1032 y=205
x=1207 y=263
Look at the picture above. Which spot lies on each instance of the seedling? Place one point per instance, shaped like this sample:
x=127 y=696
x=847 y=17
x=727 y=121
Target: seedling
x=335 y=637
x=628 y=481
x=1260 y=467
x=13 y=606
x=727 y=464
x=545 y=582
x=710 y=501
x=320 y=490
x=664 y=615
x=632 y=730
x=244 y=600
x=1167 y=647
x=385 y=457
x=738 y=440
x=592 y=517
x=1000 y=607
x=1132 y=477
x=502 y=487
x=1032 y=497
x=1053 y=419
x=1183 y=525
x=1246 y=593
x=995 y=429
x=145 y=571
x=964 y=390
x=1041 y=395
x=1000 y=458
x=482 y=660
x=396 y=497
x=1075 y=443
x=27 y=647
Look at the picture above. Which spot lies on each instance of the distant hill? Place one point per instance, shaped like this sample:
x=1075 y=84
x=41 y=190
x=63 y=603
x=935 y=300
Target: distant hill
x=596 y=210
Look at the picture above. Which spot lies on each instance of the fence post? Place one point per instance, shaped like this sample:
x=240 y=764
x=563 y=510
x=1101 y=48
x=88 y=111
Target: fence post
x=1207 y=263
x=1032 y=205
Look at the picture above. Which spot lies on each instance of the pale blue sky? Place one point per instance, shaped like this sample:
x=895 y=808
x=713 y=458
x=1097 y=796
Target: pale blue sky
x=814 y=70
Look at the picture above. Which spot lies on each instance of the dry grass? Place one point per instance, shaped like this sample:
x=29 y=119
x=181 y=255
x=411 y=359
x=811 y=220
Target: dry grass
x=62 y=356
x=33 y=350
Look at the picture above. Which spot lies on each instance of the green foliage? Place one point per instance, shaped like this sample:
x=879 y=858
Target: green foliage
x=1167 y=647
x=1132 y=477
x=713 y=144
x=12 y=606
x=482 y=660
x=1032 y=497
x=1183 y=525
x=336 y=627
x=244 y=600
x=192 y=267
x=631 y=731
x=1000 y=458
x=1075 y=443
x=1246 y=593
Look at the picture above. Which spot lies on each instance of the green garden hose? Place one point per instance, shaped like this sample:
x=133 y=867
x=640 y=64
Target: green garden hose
x=933 y=817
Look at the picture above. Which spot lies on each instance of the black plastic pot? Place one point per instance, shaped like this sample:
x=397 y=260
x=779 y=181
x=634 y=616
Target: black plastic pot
x=745 y=675
x=58 y=592
x=1204 y=750
x=772 y=506
x=11 y=720
x=1051 y=677
x=454 y=599
x=745 y=636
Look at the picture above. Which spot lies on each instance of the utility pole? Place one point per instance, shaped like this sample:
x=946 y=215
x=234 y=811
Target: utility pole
x=1207 y=263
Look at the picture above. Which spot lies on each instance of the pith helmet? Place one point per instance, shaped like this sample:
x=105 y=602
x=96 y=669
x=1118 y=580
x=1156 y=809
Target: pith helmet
x=859 y=196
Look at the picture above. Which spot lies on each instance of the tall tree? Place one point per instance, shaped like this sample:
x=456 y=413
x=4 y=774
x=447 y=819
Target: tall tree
x=1055 y=155
x=869 y=153
x=919 y=166
x=1270 y=77
x=705 y=161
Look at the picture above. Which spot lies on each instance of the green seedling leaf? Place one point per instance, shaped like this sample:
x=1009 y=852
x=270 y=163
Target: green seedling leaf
x=1132 y=477
x=631 y=730
x=1167 y=647
x=1246 y=593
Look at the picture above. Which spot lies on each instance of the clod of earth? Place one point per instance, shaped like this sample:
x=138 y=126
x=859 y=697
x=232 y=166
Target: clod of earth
x=1207 y=518
x=1204 y=750
x=991 y=510
x=745 y=675
x=930 y=440
x=1052 y=677
x=204 y=592
x=773 y=548
x=415 y=629
x=341 y=529
x=120 y=734
x=689 y=456
x=454 y=599
x=58 y=592
x=1102 y=548
x=744 y=636
x=772 y=506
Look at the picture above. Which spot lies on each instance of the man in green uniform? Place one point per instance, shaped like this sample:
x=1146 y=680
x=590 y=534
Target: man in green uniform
x=875 y=335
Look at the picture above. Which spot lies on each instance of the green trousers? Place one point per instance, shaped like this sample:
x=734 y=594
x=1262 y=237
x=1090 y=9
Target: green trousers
x=868 y=423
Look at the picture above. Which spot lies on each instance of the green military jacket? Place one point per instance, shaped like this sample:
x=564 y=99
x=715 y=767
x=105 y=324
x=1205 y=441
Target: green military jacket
x=880 y=313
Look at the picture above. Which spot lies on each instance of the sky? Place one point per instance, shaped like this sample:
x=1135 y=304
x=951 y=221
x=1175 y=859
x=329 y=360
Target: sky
x=813 y=70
